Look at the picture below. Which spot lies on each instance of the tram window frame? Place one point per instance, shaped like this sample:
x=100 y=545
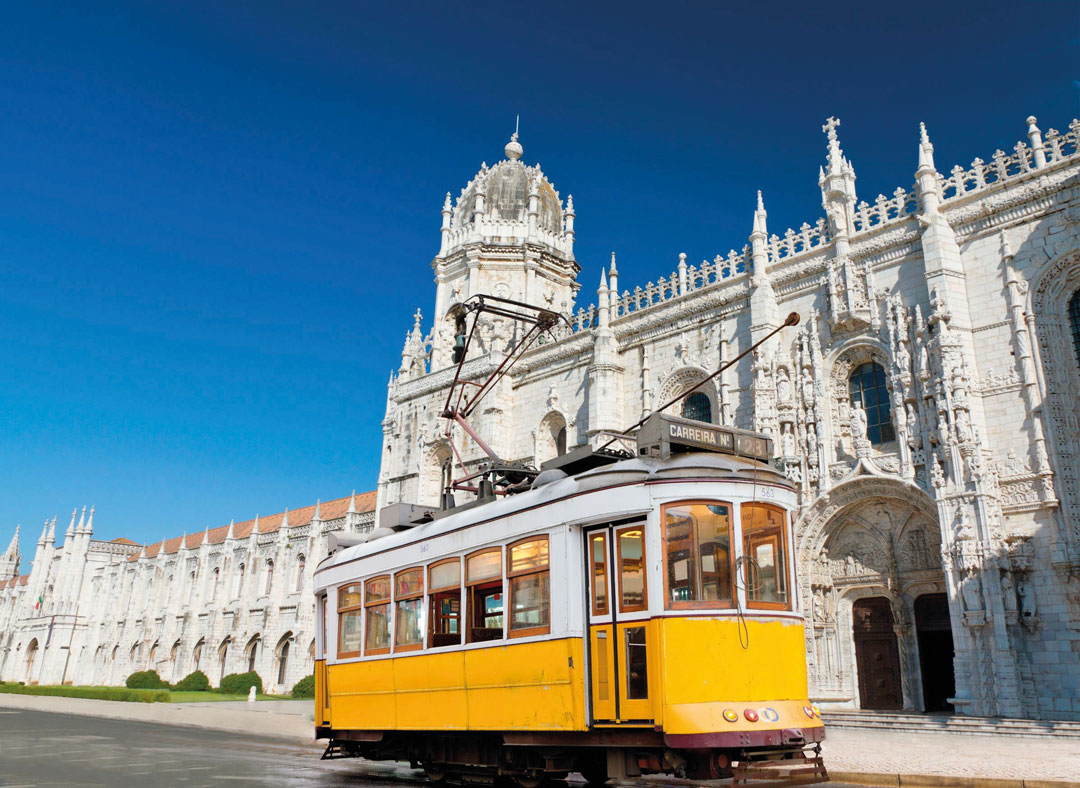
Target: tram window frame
x=544 y=576
x=617 y=535
x=343 y=611
x=369 y=606
x=600 y=607
x=436 y=596
x=782 y=569
x=409 y=597
x=699 y=604
x=479 y=591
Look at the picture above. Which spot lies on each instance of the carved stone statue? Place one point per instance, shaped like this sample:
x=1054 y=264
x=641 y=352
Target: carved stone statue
x=971 y=590
x=963 y=431
x=858 y=420
x=1008 y=593
x=1026 y=596
x=783 y=386
x=787 y=441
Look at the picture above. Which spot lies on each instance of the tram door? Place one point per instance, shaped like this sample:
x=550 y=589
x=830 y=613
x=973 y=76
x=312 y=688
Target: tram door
x=618 y=624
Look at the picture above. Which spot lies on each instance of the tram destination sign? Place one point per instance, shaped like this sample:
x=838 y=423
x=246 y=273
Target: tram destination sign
x=663 y=435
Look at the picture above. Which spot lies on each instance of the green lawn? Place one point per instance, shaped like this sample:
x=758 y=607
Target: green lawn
x=208 y=697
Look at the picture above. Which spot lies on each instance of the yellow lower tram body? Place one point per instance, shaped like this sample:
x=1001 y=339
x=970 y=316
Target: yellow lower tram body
x=722 y=696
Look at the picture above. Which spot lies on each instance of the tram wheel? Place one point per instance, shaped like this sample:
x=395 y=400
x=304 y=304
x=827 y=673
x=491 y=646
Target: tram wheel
x=436 y=772
x=530 y=780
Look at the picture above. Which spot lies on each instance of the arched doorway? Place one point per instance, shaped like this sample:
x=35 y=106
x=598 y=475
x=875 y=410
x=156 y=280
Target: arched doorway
x=934 y=632
x=877 y=655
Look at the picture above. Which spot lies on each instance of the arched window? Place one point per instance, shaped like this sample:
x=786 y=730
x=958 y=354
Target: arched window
x=867 y=386
x=196 y=655
x=301 y=563
x=223 y=655
x=1074 y=323
x=252 y=653
x=283 y=661
x=698 y=407
x=269 y=575
x=560 y=441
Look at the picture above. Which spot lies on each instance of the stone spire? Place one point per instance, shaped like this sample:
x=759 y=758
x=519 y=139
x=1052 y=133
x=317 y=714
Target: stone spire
x=613 y=277
x=231 y=534
x=352 y=503
x=51 y=538
x=90 y=522
x=255 y=528
x=44 y=533
x=764 y=311
x=285 y=517
x=603 y=316
x=9 y=561
x=837 y=182
x=72 y=529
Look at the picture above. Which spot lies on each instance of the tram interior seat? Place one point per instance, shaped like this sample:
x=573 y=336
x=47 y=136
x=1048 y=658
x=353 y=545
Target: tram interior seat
x=486 y=612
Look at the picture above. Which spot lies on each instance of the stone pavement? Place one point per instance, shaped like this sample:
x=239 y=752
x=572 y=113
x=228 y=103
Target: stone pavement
x=950 y=754
x=874 y=756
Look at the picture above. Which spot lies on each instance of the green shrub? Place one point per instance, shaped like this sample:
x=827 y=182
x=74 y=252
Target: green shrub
x=146 y=679
x=304 y=688
x=92 y=693
x=193 y=682
x=240 y=683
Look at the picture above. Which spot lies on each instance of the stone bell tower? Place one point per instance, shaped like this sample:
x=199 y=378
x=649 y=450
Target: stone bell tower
x=508 y=235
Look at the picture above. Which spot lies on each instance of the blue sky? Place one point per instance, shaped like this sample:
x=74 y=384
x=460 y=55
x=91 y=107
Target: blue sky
x=217 y=218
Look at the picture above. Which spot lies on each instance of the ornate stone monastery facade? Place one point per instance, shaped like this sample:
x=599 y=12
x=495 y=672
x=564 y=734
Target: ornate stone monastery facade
x=926 y=407
x=224 y=600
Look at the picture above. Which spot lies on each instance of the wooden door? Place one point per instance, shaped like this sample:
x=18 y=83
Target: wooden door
x=877 y=658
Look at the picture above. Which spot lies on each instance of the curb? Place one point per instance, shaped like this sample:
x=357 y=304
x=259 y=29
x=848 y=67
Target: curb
x=883 y=780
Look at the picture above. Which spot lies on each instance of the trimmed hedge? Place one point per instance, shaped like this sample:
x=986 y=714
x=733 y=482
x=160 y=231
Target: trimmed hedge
x=92 y=693
x=146 y=679
x=193 y=682
x=240 y=683
x=304 y=688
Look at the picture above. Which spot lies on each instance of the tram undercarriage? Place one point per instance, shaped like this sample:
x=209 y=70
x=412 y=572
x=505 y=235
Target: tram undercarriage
x=532 y=759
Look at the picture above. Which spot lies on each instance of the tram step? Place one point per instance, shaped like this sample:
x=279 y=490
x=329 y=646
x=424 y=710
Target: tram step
x=950 y=723
x=803 y=769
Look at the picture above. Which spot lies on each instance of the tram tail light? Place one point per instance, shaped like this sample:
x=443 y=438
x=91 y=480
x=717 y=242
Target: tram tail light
x=731 y=715
x=809 y=711
x=751 y=715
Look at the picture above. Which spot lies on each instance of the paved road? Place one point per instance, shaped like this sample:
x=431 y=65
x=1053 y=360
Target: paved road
x=48 y=750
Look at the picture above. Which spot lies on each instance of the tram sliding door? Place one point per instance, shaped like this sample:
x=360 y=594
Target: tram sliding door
x=618 y=624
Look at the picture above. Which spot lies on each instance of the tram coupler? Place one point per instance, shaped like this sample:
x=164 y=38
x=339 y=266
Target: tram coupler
x=339 y=748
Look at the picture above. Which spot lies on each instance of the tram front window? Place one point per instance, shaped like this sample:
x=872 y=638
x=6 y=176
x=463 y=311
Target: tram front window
x=763 y=529
x=697 y=537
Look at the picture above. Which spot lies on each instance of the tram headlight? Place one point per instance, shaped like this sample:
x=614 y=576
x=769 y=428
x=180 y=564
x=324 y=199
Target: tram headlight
x=809 y=711
x=817 y=711
x=731 y=715
x=751 y=715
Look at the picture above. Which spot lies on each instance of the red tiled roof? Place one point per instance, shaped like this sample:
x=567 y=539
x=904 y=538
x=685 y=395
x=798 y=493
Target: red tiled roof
x=11 y=582
x=328 y=510
x=122 y=540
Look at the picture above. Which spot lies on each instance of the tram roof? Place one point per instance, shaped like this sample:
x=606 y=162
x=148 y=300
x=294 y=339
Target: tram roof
x=634 y=470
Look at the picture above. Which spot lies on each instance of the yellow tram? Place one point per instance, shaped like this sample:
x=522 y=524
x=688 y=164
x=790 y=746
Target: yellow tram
x=621 y=614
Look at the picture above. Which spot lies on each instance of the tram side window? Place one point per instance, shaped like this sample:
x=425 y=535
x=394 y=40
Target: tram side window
x=697 y=542
x=350 y=613
x=630 y=548
x=377 y=606
x=530 y=587
x=483 y=575
x=409 y=610
x=444 y=601
x=764 y=545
